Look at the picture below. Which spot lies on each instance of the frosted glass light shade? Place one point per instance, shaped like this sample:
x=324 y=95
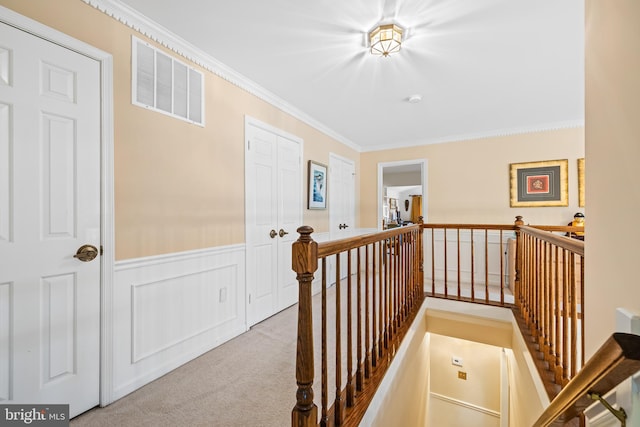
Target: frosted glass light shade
x=385 y=39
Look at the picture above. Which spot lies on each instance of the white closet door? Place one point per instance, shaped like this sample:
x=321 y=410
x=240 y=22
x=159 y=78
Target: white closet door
x=341 y=206
x=273 y=214
x=289 y=217
x=341 y=195
x=262 y=220
x=49 y=208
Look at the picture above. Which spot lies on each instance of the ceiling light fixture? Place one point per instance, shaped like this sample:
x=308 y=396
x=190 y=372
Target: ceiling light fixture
x=385 y=39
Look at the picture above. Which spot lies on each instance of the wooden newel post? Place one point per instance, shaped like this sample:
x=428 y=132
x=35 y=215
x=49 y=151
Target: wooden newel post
x=304 y=261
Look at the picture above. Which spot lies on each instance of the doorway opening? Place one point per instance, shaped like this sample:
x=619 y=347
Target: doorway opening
x=402 y=192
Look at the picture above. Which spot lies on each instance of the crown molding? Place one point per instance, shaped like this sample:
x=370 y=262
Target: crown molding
x=545 y=127
x=161 y=35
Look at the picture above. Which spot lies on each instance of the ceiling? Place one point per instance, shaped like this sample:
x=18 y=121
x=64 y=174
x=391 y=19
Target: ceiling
x=483 y=67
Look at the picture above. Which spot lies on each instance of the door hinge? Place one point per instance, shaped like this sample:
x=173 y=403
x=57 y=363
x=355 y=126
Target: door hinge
x=249 y=298
x=101 y=250
x=248 y=144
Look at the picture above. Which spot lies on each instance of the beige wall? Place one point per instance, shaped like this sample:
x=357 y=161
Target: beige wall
x=180 y=187
x=177 y=186
x=468 y=181
x=481 y=363
x=612 y=153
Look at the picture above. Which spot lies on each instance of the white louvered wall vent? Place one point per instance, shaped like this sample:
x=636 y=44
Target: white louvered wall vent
x=164 y=84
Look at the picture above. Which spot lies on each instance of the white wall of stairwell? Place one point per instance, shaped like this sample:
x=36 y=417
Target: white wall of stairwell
x=422 y=387
x=401 y=398
x=171 y=308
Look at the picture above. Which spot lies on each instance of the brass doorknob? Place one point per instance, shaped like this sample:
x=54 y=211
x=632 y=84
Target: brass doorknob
x=86 y=253
x=273 y=233
x=282 y=232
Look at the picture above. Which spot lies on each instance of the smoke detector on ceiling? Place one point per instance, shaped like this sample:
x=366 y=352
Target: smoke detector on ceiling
x=414 y=99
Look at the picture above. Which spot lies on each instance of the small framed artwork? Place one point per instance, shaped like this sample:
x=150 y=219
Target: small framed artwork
x=537 y=184
x=317 y=198
x=581 y=182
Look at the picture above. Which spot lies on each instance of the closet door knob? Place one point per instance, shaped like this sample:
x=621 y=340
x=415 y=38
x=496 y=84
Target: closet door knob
x=282 y=232
x=86 y=253
x=273 y=234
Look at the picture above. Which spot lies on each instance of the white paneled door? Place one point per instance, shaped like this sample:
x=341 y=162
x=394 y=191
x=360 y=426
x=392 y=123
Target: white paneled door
x=49 y=209
x=342 y=175
x=273 y=213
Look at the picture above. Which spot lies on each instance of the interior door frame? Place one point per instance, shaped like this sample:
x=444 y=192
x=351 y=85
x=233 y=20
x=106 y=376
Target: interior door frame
x=423 y=179
x=107 y=227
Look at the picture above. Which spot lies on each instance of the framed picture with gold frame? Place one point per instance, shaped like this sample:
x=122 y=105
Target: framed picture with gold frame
x=539 y=184
x=581 y=182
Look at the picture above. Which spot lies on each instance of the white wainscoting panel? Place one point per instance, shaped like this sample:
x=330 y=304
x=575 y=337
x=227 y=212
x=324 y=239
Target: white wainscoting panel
x=172 y=308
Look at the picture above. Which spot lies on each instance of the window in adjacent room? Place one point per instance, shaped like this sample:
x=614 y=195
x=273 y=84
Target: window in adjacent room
x=166 y=85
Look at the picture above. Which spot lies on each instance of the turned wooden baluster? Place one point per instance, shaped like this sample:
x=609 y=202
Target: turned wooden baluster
x=304 y=261
x=367 y=313
x=359 y=356
x=516 y=281
x=420 y=249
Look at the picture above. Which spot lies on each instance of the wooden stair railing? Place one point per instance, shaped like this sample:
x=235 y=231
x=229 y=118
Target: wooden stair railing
x=615 y=361
x=378 y=297
x=387 y=285
x=550 y=299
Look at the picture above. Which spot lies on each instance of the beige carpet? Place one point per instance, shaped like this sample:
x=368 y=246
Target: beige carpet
x=248 y=381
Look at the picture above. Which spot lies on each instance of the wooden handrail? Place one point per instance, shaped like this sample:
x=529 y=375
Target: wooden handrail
x=472 y=226
x=615 y=361
x=573 y=245
x=334 y=247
